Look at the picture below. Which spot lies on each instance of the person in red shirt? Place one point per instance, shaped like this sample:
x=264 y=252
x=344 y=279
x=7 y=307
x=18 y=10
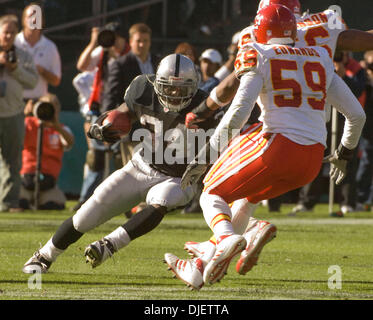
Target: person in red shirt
x=57 y=138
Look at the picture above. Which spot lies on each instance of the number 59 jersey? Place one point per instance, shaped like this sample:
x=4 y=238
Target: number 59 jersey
x=295 y=82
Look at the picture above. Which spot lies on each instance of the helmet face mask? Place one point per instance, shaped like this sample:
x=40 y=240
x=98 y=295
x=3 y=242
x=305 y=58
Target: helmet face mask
x=176 y=82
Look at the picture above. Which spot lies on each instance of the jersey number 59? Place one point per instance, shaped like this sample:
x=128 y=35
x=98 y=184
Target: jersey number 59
x=295 y=100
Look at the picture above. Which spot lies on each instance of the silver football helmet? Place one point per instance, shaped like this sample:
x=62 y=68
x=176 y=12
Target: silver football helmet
x=176 y=82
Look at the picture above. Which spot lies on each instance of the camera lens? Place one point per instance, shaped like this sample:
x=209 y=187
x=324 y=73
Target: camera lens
x=12 y=56
x=106 y=38
x=44 y=111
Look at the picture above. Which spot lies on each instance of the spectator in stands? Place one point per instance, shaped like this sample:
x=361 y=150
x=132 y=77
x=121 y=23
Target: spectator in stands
x=212 y=68
x=95 y=59
x=44 y=53
x=210 y=62
x=138 y=61
x=18 y=73
x=355 y=77
x=57 y=138
x=365 y=170
x=189 y=50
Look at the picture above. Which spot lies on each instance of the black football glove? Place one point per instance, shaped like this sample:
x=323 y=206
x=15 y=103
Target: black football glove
x=101 y=132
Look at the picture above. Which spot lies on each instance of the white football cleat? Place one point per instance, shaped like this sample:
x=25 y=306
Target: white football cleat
x=37 y=263
x=197 y=249
x=257 y=236
x=97 y=252
x=226 y=249
x=190 y=271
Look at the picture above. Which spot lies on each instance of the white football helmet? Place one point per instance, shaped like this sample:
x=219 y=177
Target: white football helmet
x=176 y=82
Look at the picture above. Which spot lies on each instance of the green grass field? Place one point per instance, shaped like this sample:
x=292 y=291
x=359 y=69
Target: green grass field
x=293 y=266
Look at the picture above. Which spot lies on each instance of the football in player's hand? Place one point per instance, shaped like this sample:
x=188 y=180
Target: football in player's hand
x=120 y=123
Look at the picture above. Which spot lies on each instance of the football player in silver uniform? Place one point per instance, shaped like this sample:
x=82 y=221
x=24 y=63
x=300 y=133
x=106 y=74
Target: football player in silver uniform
x=160 y=102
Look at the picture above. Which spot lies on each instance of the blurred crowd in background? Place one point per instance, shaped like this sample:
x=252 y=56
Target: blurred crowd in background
x=82 y=61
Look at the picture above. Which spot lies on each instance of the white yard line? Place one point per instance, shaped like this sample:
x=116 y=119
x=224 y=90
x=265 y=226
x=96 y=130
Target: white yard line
x=338 y=221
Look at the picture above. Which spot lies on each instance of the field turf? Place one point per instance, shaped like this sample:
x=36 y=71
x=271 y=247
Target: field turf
x=293 y=266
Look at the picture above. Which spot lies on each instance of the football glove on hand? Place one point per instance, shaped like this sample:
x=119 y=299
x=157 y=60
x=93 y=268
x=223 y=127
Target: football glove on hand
x=192 y=174
x=198 y=114
x=196 y=168
x=338 y=163
x=337 y=167
x=190 y=120
x=100 y=132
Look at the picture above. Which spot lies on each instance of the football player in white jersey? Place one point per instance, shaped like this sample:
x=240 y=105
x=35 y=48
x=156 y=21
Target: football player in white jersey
x=325 y=29
x=292 y=84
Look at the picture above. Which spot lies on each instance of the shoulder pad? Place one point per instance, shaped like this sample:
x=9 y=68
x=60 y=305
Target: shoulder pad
x=137 y=91
x=246 y=60
x=245 y=37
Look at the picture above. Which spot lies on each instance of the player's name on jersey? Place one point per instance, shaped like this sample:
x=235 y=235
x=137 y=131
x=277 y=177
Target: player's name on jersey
x=312 y=20
x=180 y=146
x=310 y=52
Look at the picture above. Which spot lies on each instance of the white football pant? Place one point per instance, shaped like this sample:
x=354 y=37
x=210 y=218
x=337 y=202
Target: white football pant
x=126 y=188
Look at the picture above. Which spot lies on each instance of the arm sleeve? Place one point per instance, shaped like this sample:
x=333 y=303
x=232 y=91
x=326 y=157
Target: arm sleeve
x=341 y=97
x=222 y=73
x=239 y=112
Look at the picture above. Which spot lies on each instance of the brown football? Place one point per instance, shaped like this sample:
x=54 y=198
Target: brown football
x=120 y=122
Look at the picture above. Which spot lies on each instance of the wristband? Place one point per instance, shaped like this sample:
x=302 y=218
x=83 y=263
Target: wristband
x=202 y=111
x=215 y=98
x=343 y=153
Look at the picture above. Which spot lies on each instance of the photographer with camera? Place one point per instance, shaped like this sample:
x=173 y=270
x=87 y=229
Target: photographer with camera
x=17 y=73
x=106 y=45
x=44 y=53
x=56 y=139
